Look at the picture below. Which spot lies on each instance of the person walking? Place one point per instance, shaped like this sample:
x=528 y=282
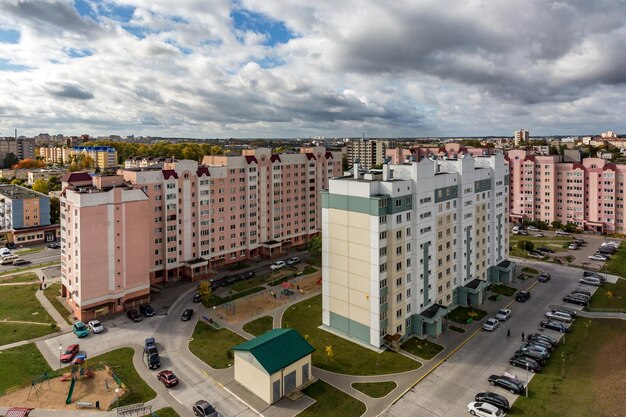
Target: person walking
x=508 y=334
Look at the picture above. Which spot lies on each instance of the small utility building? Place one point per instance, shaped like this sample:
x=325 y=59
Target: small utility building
x=274 y=364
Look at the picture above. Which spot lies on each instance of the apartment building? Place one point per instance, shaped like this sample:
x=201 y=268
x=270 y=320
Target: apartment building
x=401 y=247
x=103 y=156
x=25 y=215
x=21 y=147
x=588 y=193
x=449 y=150
x=200 y=217
x=368 y=152
x=521 y=137
x=54 y=155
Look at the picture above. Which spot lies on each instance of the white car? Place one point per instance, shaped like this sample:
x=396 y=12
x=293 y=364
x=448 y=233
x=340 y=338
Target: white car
x=560 y=316
x=95 y=326
x=561 y=233
x=598 y=257
x=484 y=410
x=532 y=229
x=277 y=265
x=504 y=314
x=491 y=325
x=573 y=246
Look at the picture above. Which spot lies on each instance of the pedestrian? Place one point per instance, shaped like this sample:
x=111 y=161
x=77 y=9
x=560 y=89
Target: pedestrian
x=508 y=334
x=43 y=279
x=44 y=285
x=523 y=337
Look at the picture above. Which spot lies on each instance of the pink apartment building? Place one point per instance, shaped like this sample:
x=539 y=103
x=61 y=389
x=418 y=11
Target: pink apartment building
x=589 y=194
x=404 y=155
x=185 y=220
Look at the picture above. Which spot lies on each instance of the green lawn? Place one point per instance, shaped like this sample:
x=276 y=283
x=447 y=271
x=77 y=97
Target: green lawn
x=592 y=381
x=51 y=293
x=375 y=389
x=29 y=250
x=213 y=345
x=121 y=362
x=164 y=412
x=331 y=402
x=422 y=348
x=215 y=300
x=27 y=277
x=462 y=314
x=610 y=295
x=19 y=303
x=347 y=357
x=617 y=264
x=14 y=332
x=502 y=289
x=19 y=365
x=259 y=326
x=309 y=270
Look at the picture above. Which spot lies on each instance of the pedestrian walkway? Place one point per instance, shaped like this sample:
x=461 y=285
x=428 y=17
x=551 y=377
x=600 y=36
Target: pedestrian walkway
x=601 y=315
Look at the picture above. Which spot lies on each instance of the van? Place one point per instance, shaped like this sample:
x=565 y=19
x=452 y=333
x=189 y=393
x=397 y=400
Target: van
x=515 y=230
x=8 y=260
x=591 y=281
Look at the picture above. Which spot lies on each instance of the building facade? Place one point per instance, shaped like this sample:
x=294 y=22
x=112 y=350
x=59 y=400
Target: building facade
x=588 y=193
x=398 y=246
x=104 y=157
x=21 y=147
x=200 y=217
x=25 y=215
x=521 y=137
x=368 y=152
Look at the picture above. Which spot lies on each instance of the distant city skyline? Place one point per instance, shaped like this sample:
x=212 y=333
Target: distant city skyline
x=253 y=68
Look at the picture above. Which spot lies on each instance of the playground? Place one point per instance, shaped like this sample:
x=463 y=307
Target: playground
x=269 y=299
x=81 y=387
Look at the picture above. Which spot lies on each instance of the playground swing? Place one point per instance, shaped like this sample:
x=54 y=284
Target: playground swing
x=36 y=385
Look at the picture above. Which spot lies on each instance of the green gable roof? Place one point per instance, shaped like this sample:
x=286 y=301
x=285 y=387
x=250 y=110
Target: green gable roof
x=277 y=349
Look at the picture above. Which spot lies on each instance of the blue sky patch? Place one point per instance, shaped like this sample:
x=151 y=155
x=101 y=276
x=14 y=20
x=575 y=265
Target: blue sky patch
x=7 y=66
x=112 y=11
x=248 y=21
x=270 y=62
x=9 y=36
x=78 y=53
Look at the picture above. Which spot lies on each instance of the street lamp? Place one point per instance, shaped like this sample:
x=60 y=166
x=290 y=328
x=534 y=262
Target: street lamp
x=60 y=353
x=527 y=380
x=117 y=400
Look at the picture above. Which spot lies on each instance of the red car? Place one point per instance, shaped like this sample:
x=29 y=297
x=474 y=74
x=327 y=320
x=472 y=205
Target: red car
x=69 y=353
x=167 y=378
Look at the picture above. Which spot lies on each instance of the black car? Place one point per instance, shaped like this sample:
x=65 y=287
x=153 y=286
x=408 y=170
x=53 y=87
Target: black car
x=539 y=342
x=512 y=385
x=247 y=275
x=544 y=337
x=493 y=399
x=187 y=315
x=522 y=296
x=545 y=249
x=134 y=315
x=544 y=277
x=54 y=245
x=576 y=300
x=146 y=310
x=526 y=363
x=197 y=297
x=531 y=354
x=553 y=325
x=10 y=245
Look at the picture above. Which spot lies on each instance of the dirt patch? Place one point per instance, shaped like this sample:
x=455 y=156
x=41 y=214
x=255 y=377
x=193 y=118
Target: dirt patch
x=256 y=304
x=53 y=396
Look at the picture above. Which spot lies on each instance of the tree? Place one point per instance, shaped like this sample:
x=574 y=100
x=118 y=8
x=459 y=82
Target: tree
x=9 y=160
x=55 y=210
x=525 y=245
x=205 y=291
x=41 y=186
x=344 y=163
x=17 y=181
x=54 y=183
x=315 y=248
x=29 y=163
x=557 y=224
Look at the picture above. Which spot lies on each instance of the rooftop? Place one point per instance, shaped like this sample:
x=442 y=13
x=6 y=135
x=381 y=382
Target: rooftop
x=15 y=192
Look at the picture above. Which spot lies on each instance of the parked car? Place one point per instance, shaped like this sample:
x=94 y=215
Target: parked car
x=54 y=245
x=545 y=249
x=581 y=293
x=558 y=316
x=532 y=229
x=515 y=230
x=594 y=274
x=540 y=342
x=512 y=385
x=531 y=354
x=540 y=234
x=598 y=257
x=247 y=275
x=10 y=245
x=578 y=241
x=536 y=255
x=197 y=297
x=168 y=378
x=277 y=265
x=69 y=353
x=5 y=252
x=561 y=233
x=80 y=329
x=491 y=324
x=553 y=325
x=536 y=348
x=553 y=341
x=293 y=261
x=504 y=314
x=523 y=232
x=149 y=343
x=572 y=313
x=572 y=246
x=494 y=399
x=134 y=315
x=18 y=262
x=544 y=277
x=482 y=409
x=95 y=326
x=146 y=310
x=573 y=299
x=522 y=296
x=526 y=363
x=591 y=281
x=187 y=315
x=204 y=409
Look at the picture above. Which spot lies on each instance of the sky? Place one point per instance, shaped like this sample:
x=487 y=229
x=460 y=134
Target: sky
x=297 y=68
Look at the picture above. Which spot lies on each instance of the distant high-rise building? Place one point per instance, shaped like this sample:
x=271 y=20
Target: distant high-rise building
x=368 y=153
x=521 y=136
x=21 y=147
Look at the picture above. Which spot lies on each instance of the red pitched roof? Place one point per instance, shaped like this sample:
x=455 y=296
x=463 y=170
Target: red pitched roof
x=275 y=157
x=203 y=171
x=309 y=156
x=609 y=167
x=329 y=155
x=76 y=177
x=169 y=173
x=250 y=159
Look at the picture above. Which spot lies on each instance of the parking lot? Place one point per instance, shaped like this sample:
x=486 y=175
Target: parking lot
x=448 y=390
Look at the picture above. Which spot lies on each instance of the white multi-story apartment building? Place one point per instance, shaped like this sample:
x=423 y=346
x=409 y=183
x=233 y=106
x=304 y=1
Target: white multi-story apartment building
x=402 y=246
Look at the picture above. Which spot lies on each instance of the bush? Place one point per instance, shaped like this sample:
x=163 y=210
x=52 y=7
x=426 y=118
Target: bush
x=525 y=245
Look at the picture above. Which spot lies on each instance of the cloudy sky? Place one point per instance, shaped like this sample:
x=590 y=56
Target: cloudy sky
x=297 y=68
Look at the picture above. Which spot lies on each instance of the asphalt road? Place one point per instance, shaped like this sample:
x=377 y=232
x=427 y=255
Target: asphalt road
x=450 y=387
x=36 y=258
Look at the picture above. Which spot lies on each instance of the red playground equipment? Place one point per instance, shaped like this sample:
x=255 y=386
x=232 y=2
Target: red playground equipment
x=78 y=370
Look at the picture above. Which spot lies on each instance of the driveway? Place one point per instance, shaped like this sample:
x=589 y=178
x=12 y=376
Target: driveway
x=450 y=387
